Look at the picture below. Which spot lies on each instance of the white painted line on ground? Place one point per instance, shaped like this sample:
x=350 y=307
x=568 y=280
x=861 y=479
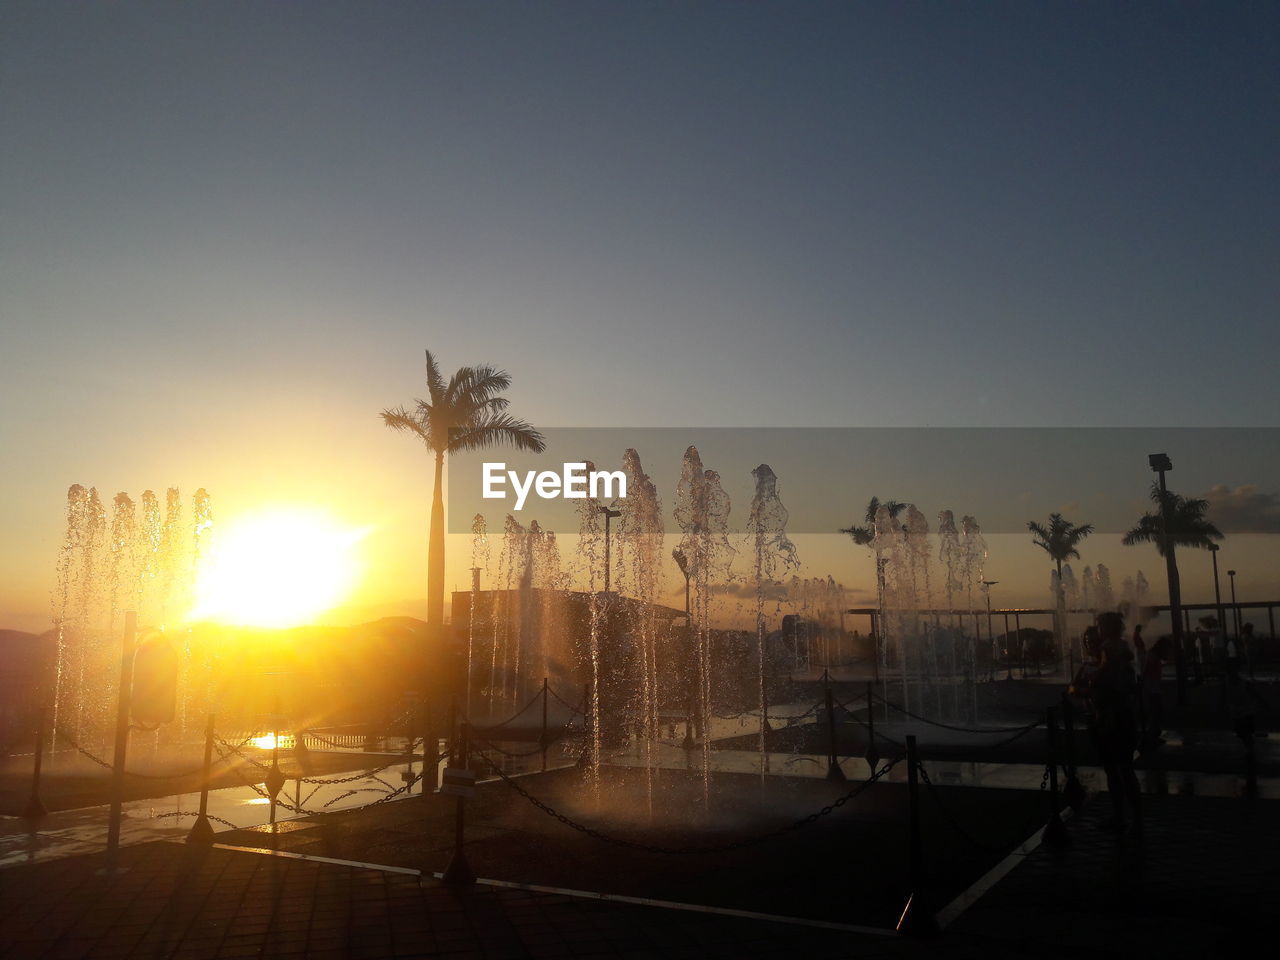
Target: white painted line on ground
x=969 y=897
x=581 y=894
x=690 y=907
x=290 y=855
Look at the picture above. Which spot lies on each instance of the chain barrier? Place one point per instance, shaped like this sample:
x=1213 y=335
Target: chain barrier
x=786 y=721
x=678 y=851
x=192 y=813
x=965 y=835
x=498 y=726
x=579 y=709
x=948 y=726
x=71 y=741
x=487 y=745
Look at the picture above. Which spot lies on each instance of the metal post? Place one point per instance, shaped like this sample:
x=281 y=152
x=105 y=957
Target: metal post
x=202 y=830
x=1160 y=463
x=35 y=808
x=430 y=747
x=458 y=872
x=873 y=755
x=1008 y=656
x=1055 y=831
x=1017 y=631
x=123 y=705
x=545 y=694
x=1073 y=792
x=1217 y=589
x=275 y=764
x=917 y=919
x=834 y=773
x=1236 y=621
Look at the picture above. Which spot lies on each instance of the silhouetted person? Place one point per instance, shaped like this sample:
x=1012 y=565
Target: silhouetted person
x=1139 y=647
x=1078 y=690
x=1250 y=647
x=1115 y=726
x=1152 y=702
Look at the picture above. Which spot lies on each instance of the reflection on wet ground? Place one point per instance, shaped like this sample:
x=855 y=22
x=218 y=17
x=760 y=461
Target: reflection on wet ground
x=69 y=833
x=74 y=832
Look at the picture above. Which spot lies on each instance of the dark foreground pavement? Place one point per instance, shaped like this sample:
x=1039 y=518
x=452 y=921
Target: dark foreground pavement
x=1201 y=882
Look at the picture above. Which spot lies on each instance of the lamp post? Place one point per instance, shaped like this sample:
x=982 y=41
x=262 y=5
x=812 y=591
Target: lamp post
x=682 y=561
x=1235 y=608
x=1217 y=591
x=1161 y=464
x=609 y=514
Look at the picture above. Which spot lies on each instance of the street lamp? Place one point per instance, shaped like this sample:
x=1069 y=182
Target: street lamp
x=682 y=561
x=1161 y=464
x=1217 y=591
x=609 y=514
x=1235 y=608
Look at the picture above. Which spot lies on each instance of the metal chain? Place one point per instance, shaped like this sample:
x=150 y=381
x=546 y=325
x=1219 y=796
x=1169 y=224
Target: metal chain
x=487 y=745
x=677 y=851
x=58 y=731
x=192 y=813
x=948 y=726
x=564 y=702
x=955 y=825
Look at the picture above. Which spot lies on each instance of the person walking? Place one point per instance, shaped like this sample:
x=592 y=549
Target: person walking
x=1112 y=691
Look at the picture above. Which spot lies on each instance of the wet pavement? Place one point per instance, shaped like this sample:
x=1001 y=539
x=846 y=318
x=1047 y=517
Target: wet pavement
x=68 y=833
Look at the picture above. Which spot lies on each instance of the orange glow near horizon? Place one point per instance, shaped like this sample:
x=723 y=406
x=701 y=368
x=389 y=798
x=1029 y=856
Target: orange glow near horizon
x=278 y=567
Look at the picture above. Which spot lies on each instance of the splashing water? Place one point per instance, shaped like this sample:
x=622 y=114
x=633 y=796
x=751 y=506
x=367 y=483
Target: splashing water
x=140 y=560
x=774 y=555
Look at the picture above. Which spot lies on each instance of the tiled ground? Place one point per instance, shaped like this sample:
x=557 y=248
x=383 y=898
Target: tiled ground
x=1201 y=882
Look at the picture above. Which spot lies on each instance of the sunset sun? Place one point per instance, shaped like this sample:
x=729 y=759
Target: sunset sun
x=277 y=568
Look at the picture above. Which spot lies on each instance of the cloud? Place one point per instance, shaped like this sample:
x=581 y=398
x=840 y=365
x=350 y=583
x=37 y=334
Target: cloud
x=1246 y=509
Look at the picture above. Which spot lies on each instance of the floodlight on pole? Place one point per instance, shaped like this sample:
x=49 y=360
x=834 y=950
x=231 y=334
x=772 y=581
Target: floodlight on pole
x=1161 y=464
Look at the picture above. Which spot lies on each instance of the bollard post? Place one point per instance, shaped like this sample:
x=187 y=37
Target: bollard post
x=834 y=773
x=917 y=920
x=430 y=748
x=543 y=739
x=1073 y=791
x=1055 y=831
x=123 y=708
x=872 y=755
x=458 y=872
x=35 y=808
x=1244 y=728
x=275 y=780
x=202 y=831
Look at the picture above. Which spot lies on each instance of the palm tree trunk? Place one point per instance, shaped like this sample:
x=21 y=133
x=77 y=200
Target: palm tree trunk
x=435 y=549
x=1060 y=614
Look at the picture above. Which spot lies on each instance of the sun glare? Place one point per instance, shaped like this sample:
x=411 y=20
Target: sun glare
x=277 y=568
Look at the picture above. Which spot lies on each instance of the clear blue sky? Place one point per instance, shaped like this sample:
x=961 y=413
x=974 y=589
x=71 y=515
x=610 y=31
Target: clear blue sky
x=226 y=227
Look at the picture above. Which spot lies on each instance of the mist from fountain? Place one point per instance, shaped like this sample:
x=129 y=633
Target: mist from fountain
x=774 y=555
x=145 y=561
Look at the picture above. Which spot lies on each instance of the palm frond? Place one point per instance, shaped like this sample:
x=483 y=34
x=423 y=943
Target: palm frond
x=499 y=429
x=398 y=418
x=435 y=382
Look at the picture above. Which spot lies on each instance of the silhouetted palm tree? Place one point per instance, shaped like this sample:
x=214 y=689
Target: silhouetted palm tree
x=863 y=535
x=464 y=413
x=1059 y=539
x=1188 y=526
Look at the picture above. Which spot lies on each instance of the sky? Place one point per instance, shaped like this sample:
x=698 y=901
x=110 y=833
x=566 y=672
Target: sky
x=228 y=231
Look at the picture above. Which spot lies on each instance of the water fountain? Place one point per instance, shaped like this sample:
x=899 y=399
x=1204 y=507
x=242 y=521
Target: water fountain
x=141 y=559
x=774 y=554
